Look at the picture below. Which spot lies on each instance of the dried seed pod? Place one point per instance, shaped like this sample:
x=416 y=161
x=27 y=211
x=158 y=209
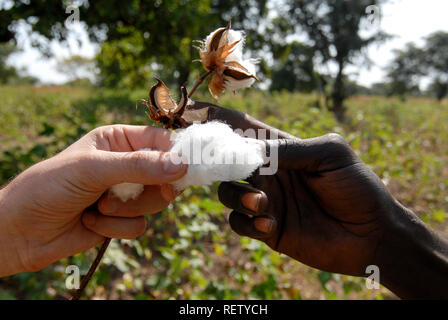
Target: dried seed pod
x=163 y=109
x=222 y=55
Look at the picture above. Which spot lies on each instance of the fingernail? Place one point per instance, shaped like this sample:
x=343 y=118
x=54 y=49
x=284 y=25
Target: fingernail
x=170 y=167
x=89 y=219
x=251 y=201
x=264 y=224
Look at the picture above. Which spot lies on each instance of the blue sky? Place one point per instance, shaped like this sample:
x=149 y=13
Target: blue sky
x=407 y=20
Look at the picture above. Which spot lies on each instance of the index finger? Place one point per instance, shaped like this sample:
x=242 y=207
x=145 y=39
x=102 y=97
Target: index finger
x=126 y=138
x=149 y=137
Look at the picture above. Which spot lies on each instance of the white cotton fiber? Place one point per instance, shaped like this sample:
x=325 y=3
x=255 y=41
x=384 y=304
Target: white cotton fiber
x=213 y=153
x=126 y=191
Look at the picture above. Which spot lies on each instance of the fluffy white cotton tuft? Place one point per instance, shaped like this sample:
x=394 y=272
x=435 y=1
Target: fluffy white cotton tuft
x=233 y=84
x=237 y=50
x=213 y=153
x=127 y=191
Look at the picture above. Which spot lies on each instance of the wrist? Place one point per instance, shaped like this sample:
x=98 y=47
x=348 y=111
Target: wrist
x=412 y=258
x=10 y=259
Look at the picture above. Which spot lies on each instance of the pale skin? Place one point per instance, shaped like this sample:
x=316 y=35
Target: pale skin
x=43 y=216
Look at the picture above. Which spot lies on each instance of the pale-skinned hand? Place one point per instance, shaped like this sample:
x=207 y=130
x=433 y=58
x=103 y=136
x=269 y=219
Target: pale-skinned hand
x=43 y=215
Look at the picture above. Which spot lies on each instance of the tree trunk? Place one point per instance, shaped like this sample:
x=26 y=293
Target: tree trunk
x=442 y=90
x=338 y=94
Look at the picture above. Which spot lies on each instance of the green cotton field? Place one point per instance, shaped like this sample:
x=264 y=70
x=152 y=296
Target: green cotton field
x=188 y=250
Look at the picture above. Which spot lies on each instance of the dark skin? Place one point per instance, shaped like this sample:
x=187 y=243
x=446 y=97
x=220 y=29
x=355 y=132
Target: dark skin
x=325 y=208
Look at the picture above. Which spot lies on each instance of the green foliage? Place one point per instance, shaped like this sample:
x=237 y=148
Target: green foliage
x=412 y=63
x=142 y=39
x=405 y=70
x=9 y=74
x=188 y=250
x=138 y=38
x=6 y=72
x=436 y=61
x=334 y=28
x=295 y=68
x=76 y=67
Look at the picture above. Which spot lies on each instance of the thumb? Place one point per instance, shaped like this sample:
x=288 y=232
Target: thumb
x=143 y=167
x=328 y=152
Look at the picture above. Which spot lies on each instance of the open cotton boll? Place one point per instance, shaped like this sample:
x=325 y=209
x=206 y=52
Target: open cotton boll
x=233 y=84
x=215 y=153
x=237 y=51
x=127 y=191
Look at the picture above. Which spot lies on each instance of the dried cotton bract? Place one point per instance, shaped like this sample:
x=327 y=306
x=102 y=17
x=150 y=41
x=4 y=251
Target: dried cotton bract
x=222 y=55
x=213 y=153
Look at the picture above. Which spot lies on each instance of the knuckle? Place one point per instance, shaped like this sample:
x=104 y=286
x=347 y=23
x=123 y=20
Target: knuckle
x=106 y=128
x=98 y=131
x=108 y=131
x=335 y=141
x=335 y=138
x=283 y=145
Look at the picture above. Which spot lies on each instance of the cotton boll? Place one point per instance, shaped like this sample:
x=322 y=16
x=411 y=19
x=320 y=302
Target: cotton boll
x=233 y=84
x=208 y=39
x=222 y=55
x=215 y=153
x=237 y=50
x=127 y=191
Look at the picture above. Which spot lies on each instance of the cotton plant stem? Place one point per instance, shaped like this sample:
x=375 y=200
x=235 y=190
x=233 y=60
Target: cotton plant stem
x=77 y=295
x=199 y=82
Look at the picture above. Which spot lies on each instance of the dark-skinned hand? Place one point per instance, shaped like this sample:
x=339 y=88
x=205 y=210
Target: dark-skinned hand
x=324 y=207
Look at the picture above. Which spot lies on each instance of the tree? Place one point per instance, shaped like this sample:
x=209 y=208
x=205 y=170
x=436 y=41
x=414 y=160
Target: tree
x=406 y=70
x=294 y=68
x=6 y=72
x=9 y=74
x=439 y=89
x=76 y=67
x=412 y=63
x=138 y=38
x=436 y=62
x=333 y=28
